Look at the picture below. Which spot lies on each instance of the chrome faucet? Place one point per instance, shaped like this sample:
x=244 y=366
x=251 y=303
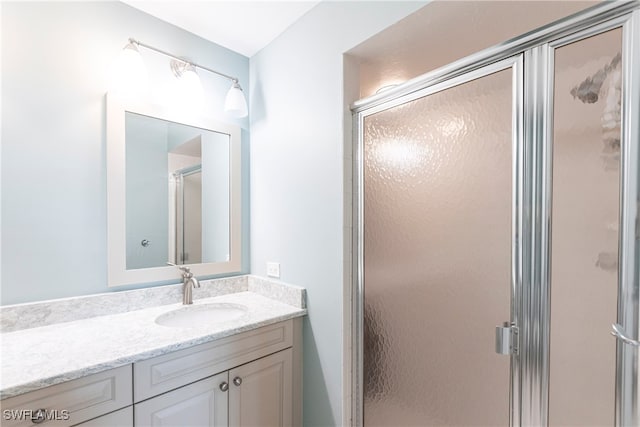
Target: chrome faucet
x=188 y=281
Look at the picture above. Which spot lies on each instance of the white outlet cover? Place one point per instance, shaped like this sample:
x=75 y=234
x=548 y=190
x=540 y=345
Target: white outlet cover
x=273 y=269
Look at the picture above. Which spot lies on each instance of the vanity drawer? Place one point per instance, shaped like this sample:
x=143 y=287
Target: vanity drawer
x=72 y=402
x=173 y=370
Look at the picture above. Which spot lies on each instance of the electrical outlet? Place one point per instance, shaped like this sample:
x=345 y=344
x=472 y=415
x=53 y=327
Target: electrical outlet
x=273 y=269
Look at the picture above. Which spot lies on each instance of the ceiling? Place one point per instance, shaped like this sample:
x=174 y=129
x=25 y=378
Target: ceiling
x=239 y=25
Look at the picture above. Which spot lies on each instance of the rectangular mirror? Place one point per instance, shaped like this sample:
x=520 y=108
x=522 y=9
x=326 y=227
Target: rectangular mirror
x=173 y=194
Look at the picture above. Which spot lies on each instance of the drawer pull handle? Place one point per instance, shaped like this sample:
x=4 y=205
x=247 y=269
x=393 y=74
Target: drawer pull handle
x=224 y=386
x=38 y=416
x=237 y=381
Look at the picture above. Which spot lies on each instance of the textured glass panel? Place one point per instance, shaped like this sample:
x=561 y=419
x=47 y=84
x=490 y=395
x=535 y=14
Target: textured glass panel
x=584 y=277
x=192 y=218
x=437 y=221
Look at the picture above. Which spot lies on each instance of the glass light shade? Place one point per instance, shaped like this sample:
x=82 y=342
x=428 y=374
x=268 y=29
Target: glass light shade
x=234 y=104
x=129 y=73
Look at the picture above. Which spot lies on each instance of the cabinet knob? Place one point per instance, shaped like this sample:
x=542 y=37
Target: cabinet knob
x=38 y=416
x=237 y=381
x=224 y=386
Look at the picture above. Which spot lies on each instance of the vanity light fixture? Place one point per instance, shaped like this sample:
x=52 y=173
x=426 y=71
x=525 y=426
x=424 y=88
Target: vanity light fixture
x=235 y=102
x=189 y=82
x=129 y=72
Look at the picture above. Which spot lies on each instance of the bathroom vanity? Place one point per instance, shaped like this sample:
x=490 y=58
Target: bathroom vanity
x=131 y=369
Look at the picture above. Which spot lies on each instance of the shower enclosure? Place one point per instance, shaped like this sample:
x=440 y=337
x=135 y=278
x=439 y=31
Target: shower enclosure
x=498 y=238
x=186 y=215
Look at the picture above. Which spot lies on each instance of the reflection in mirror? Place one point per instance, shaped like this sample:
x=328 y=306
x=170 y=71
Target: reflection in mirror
x=174 y=194
x=176 y=175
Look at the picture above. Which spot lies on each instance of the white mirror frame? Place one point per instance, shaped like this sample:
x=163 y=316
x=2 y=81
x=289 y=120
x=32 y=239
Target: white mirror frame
x=118 y=275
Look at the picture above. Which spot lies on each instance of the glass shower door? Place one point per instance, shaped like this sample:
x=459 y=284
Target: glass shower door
x=437 y=219
x=476 y=208
x=585 y=230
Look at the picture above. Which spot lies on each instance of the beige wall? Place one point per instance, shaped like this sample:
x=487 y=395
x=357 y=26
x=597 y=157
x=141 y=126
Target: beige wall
x=444 y=31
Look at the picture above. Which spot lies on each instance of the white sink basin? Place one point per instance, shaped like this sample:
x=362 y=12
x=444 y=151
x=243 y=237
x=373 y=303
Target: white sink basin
x=194 y=316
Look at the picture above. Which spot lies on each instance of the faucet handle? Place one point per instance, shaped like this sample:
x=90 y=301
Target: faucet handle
x=186 y=270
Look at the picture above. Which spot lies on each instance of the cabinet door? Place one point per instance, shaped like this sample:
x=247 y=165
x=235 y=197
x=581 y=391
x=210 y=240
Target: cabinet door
x=260 y=392
x=121 y=418
x=203 y=403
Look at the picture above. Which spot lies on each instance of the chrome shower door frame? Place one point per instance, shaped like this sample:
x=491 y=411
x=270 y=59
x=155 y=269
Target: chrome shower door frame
x=516 y=65
x=531 y=210
x=627 y=356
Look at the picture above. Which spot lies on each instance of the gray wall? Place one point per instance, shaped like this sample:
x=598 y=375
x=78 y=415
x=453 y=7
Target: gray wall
x=55 y=62
x=297 y=109
x=56 y=59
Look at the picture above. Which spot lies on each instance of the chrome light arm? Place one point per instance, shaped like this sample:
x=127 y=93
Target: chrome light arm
x=619 y=332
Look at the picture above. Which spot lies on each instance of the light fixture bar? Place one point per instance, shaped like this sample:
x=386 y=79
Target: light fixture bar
x=138 y=43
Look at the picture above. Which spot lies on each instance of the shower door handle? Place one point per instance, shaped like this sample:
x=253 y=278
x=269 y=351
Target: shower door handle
x=619 y=332
x=507 y=339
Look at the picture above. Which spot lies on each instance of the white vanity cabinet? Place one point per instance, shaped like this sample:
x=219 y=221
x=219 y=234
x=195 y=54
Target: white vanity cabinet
x=203 y=403
x=72 y=402
x=260 y=392
x=248 y=379
x=251 y=378
x=256 y=394
x=121 y=418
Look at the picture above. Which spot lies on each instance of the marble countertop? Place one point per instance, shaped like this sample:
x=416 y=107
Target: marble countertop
x=42 y=356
